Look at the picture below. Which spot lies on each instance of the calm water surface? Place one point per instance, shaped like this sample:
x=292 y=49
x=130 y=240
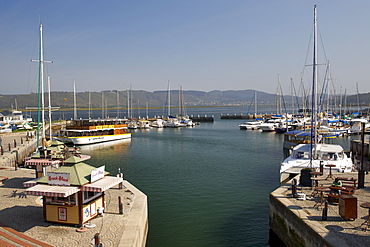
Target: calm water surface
x=206 y=186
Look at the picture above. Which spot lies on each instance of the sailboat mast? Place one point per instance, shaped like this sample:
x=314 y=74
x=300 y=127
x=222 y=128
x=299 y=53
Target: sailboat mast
x=117 y=104
x=255 y=104
x=314 y=94
x=74 y=100
x=50 y=129
x=169 y=99
x=39 y=90
x=128 y=104
x=41 y=85
x=89 y=103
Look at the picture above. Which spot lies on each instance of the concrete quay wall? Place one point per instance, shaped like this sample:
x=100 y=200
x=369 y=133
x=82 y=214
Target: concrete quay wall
x=136 y=230
x=293 y=225
x=16 y=154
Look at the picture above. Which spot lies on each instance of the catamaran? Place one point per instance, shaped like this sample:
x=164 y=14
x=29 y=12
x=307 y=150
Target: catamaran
x=312 y=154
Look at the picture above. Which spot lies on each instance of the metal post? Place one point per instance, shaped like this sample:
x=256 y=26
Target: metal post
x=1 y=150
x=15 y=143
x=9 y=147
x=120 y=206
x=361 y=172
x=97 y=239
x=325 y=211
x=294 y=187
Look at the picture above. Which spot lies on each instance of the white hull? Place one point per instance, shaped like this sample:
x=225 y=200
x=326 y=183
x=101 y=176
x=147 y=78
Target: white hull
x=326 y=154
x=96 y=139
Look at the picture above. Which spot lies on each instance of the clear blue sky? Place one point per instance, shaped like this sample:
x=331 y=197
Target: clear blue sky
x=200 y=44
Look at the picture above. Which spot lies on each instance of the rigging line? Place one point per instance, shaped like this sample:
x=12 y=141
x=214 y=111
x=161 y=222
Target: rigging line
x=322 y=43
x=308 y=50
x=29 y=69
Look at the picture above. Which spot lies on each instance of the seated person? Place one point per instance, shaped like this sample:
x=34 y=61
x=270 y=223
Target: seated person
x=337 y=183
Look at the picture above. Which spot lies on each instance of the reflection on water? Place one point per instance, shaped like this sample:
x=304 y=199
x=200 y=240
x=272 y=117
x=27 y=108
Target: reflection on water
x=118 y=146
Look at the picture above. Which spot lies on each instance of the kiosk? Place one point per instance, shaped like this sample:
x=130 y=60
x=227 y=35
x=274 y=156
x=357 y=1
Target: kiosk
x=74 y=193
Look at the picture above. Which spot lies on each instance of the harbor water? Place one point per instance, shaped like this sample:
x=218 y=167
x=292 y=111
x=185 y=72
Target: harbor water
x=207 y=185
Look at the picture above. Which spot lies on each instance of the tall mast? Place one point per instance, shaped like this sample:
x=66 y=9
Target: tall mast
x=50 y=130
x=169 y=99
x=128 y=104
x=255 y=104
x=40 y=91
x=89 y=103
x=117 y=103
x=314 y=94
x=74 y=101
x=102 y=104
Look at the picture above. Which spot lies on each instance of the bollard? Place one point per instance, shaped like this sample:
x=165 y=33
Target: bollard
x=120 y=206
x=15 y=143
x=9 y=147
x=21 y=140
x=294 y=187
x=361 y=179
x=325 y=212
x=1 y=150
x=97 y=239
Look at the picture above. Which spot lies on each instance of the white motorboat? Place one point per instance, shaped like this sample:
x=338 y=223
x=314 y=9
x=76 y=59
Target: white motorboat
x=323 y=153
x=270 y=124
x=250 y=125
x=158 y=123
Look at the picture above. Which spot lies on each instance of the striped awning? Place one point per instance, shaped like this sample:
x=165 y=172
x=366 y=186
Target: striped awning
x=30 y=183
x=51 y=190
x=44 y=162
x=102 y=184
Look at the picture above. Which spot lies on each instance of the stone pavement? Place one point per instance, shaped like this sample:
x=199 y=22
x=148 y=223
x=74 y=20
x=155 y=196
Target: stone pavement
x=24 y=213
x=336 y=230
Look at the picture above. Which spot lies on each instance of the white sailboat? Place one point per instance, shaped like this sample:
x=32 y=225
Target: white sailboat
x=313 y=154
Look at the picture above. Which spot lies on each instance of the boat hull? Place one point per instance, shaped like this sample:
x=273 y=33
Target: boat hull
x=84 y=140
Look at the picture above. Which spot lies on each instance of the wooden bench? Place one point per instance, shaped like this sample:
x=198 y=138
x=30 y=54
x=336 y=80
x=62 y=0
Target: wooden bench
x=348 y=182
x=343 y=190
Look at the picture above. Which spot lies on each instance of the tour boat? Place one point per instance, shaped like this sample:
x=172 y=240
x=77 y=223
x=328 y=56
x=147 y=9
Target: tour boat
x=82 y=132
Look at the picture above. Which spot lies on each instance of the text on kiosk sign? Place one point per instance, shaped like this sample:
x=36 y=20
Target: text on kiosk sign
x=58 y=178
x=97 y=174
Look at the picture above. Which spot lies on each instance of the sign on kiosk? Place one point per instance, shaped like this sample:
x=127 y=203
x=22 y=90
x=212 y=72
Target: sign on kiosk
x=97 y=174
x=59 y=178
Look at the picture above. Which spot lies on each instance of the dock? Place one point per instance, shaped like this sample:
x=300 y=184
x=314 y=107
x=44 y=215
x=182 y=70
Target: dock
x=22 y=221
x=21 y=216
x=297 y=223
x=15 y=147
x=205 y=118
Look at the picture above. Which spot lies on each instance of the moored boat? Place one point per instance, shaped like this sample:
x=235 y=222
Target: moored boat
x=82 y=132
x=322 y=154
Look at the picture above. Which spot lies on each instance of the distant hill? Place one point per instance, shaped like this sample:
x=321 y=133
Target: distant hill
x=141 y=98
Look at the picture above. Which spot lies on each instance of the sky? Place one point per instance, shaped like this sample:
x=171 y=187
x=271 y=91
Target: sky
x=201 y=45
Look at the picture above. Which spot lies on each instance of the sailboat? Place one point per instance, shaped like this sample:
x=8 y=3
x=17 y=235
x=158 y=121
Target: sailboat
x=314 y=154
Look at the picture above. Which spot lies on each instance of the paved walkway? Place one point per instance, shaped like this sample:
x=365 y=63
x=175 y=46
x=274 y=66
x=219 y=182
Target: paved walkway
x=337 y=231
x=24 y=214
